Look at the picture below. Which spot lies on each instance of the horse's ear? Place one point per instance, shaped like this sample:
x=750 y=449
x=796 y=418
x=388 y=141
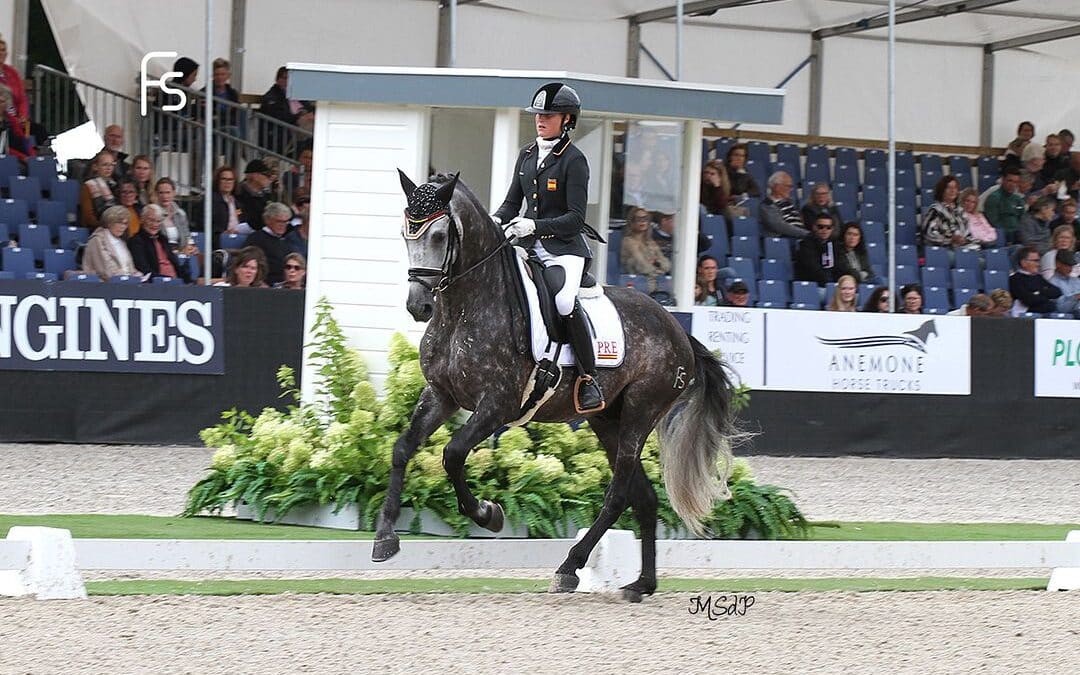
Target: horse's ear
x=407 y=185
x=446 y=190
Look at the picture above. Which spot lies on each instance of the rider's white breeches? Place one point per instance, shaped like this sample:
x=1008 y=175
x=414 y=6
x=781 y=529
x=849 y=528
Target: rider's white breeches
x=572 y=266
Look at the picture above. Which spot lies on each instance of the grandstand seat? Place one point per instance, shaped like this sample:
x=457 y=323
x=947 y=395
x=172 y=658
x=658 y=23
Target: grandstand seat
x=965 y=278
x=5 y=234
x=9 y=167
x=760 y=172
x=17 y=260
x=44 y=169
x=906 y=217
x=906 y=274
x=789 y=155
x=908 y=255
x=84 y=277
x=864 y=293
x=7 y=276
x=125 y=279
x=638 y=281
x=878 y=253
x=198 y=238
x=71 y=236
x=816 y=173
x=926 y=197
x=614 y=247
x=969 y=260
x=806 y=293
x=67 y=192
x=774 y=268
x=802 y=305
x=962 y=295
x=995 y=279
x=14 y=211
x=758 y=151
x=25 y=188
x=230 y=240
x=817 y=154
x=876 y=159
x=719 y=247
x=778 y=248
x=877 y=177
x=905 y=160
x=745 y=226
x=52 y=215
x=905 y=196
x=989 y=172
x=191 y=263
x=744 y=269
x=58 y=261
x=906 y=233
x=935 y=276
x=715 y=225
x=848 y=192
x=931 y=169
x=706 y=149
x=997 y=259
x=936 y=298
x=960 y=167
x=848 y=208
x=774 y=291
x=905 y=178
x=746 y=247
x=35 y=237
x=847 y=166
x=874 y=211
x=41 y=276
x=873 y=231
x=1059 y=315
x=723 y=144
x=178 y=281
x=936 y=256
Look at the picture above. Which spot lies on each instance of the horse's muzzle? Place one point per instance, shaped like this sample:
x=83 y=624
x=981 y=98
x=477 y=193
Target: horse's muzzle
x=421 y=302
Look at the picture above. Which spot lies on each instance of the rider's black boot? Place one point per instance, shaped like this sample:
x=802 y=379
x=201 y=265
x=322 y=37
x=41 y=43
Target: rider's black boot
x=588 y=397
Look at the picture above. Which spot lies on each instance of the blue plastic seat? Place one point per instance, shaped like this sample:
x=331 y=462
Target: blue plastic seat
x=876 y=159
x=962 y=295
x=83 y=277
x=878 y=253
x=229 y=240
x=817 y=154
x=5 y=234
x=989 y=172
x=993 y=279
x=758 y=151
x=41 y=276
x=849 y=209
x=67 y=193
x=745 y=226
x=9 y=168
x=969 y=260
x=779 y=269
x=936 y=256
x=931 y=168
x=719 y=247
x=774 y=291
x=744 y=269
x=790 y=155
x=997 y=259
x=43 y=169
x=760 y=172
x=125 y=279
x=198 y=238
x=52 y=215
x=70 y=237
x=937 y=298
x=746 y=247
x=25 y=188
x=14 y=211
x=7 y=276
x=873 y=231
x=906 y=274
x=715 y=225
x=178 y=281
x=906 y=233
x=816 y=173
x=806 y=293
x=935 y=276
x=960 y=167
x=908 y=255
x=723 y=144
x=905 y=160
x=17 y=260
x=35 y=237
x=778 y=248
x=865 y=291
x=965 y=278
x=58 y=261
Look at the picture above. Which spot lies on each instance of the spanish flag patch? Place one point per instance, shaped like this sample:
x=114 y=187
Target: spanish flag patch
x=552 y=185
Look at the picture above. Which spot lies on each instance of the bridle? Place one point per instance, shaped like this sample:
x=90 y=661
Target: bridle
x=415 y=228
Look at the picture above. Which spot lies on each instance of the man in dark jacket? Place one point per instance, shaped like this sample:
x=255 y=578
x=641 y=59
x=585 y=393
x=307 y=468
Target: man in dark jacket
x=275 y=103
x=815 y=259
x=820 y=203
x=253 y=194
x=150 y=250
x=1029 y=287
x=271 y=239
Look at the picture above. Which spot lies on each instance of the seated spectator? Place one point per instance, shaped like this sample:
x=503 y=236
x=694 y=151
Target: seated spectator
x=271 y=240
x=253 y=194
x=150 y=250
x=640 y=253
x=1031 y=292
x=247 y=269
x=142 y=173
x=1005 y=206
x=878 y=302
x=709 y=276
x=297 y=238
x=225 y=210
x=701 y=297
x=13 y=129
x=843 y=298
x=1035 y=227
x=1055 y=160
x=911 y=297
x=175 y=225
x=129 y=199
x=114 y=143
x=778 y=215
x=1067 y=139
x=295 y=272
x=815 y=259
x=979 y=304
x=820 y=203
x=1031 y=164
x=1024 y=133
x=1070 y=178
x=97 y=192
x=738 y=295
x=715 y=188
x=943 y=224
x=1063 y=239
x=663 y=231
x=275 y=103
x=19 y=102
x=979 y=228
x=1064 y=278
x=106 y=254
x=742 y=183
x=854 y=259
x=1003 y=302
x=1067 y=216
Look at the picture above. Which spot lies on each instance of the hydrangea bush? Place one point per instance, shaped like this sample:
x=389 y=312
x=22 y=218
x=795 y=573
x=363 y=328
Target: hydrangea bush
x=336 y=450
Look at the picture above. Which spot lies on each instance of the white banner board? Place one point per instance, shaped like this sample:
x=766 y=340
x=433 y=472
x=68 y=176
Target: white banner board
x=867 y=353
x=739 y=334
x=1057 y=358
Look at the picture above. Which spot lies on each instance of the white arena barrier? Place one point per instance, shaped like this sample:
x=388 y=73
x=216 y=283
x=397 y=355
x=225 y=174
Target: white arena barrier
x=45 y=563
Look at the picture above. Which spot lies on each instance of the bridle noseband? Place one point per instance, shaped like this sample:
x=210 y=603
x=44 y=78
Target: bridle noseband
x=415 y=228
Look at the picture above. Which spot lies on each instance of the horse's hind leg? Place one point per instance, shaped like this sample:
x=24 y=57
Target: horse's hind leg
x=432 y=409
x=482 y=424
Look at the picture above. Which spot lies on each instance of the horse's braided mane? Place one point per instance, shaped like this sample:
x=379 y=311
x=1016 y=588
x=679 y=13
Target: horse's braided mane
x=442 y=179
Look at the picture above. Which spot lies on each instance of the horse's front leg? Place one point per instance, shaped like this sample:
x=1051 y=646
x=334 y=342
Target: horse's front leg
x=483 y=423
x=432 y=409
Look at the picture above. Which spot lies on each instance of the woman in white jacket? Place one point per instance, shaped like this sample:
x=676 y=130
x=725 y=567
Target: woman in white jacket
x=106 y=253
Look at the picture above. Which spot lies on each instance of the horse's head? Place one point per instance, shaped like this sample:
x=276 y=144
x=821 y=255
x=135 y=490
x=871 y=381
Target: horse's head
x=432 y=239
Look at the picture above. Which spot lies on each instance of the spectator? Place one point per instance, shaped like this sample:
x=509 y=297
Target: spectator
x=778 y=215
x=815 y=259
x=254 y=192
x=142 y=172
x=854 y=260
x=912 y=297
x=715 y=188
x=295 y=272
x=14 y=131
x=106 y=254
x=9 y=77
x=247 y=269
x=299 y=176
x=979 y=304
x=1032 y=162
x=1029 y=289
x=979 y=228
x=225 y=115
x=175 y=222
x=97 y=193
x=1024 y=133
x=820 y=203
x=1005 y=206
x=844 y=297
x=1003 y=302
x=225 y=210
x=878 y=302
x=943 y=224
x=1067 y=215
x=114 y=143
x=1035 y=227
x=1067 y=139
x=172 y=134
x=663 y=232
x=1070 y=176
x=738 y=294
x=297 y=238
x=1062 y=239
x=742 y=183
x=275 y=103
x=640 y=253
x=150 y=250
x=709 y=274
x=1055 y=160
x=1064 y=278
x=701 y=297
x=129 y=199
x=271 y=240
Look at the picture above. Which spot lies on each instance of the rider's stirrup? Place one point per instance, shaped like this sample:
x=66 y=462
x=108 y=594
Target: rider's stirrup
x=588 y=397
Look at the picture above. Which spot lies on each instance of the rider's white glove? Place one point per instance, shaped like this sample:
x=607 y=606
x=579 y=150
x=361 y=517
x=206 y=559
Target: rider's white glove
x=522 y=227
x=497 y=220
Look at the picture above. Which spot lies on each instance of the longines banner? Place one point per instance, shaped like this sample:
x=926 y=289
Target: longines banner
x=1057 y=358
x=867 y=353
x=111 y=328
x=739 y=334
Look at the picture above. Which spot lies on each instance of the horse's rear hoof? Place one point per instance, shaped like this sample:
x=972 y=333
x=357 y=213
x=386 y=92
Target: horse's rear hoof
x=385 y=548
x=495 y=517
x=563 y=583
x=630 y=595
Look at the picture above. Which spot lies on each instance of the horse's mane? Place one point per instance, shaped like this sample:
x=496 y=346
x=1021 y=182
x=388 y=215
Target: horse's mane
x=465 y=193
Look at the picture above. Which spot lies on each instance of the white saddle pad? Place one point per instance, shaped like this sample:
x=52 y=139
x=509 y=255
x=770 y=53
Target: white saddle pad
x=609 y=343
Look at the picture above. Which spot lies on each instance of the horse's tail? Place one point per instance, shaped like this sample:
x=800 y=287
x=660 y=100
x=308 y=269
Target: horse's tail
x=697 y=431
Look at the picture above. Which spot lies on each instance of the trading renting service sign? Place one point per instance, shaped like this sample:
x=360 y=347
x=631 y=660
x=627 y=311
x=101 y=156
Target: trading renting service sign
x=868 y=353
x=1057 y=358
x=738 y=333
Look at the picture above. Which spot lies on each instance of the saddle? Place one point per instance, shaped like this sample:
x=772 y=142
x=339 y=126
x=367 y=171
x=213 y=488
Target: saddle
x=545 y=279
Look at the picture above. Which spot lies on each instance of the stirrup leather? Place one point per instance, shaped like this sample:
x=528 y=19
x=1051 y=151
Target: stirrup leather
x=587 y=381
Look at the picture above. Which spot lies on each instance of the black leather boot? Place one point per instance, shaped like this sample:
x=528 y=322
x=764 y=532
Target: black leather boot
x=588 y=397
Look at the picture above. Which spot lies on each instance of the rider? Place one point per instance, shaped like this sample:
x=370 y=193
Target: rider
x=553 y=179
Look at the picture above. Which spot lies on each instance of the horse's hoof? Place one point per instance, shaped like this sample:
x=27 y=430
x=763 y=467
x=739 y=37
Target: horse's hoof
x=495 y=517
x=563 y=583
x=385 y=548
x=630 y=595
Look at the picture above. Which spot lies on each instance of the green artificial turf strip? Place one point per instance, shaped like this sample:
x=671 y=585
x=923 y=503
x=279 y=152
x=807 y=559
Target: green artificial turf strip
x=490 y=585
x=99 y=526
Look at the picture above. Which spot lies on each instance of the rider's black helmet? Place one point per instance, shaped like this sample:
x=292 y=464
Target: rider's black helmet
x=556 y=97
